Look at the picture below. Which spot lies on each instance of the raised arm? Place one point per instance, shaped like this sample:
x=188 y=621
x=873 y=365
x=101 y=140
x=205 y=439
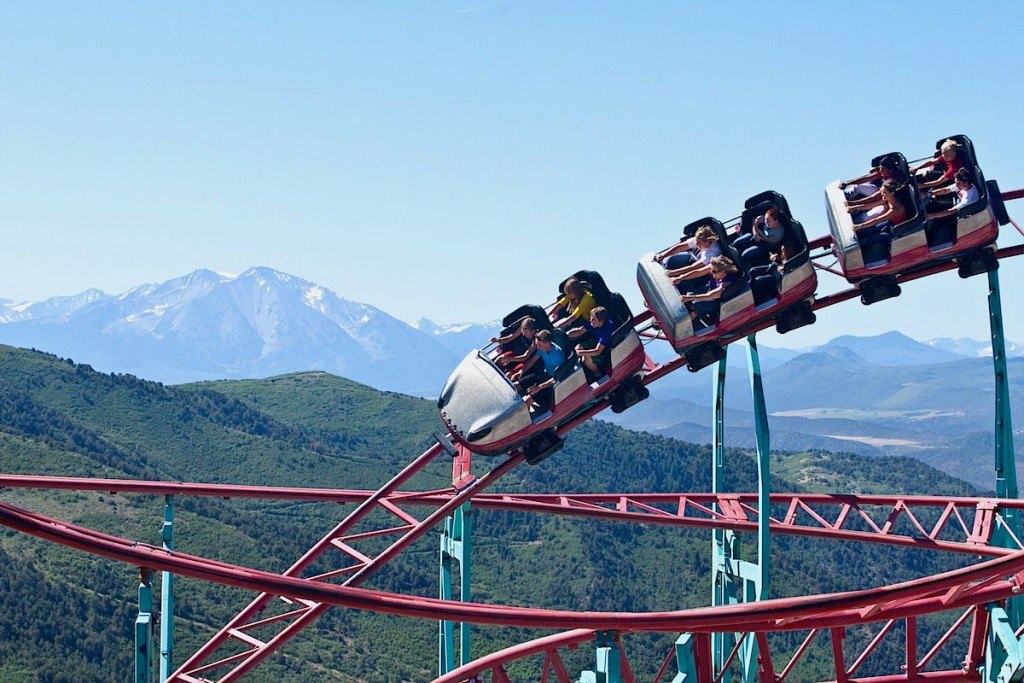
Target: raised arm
x=870 y=200
x=508 y=337
x=866 y=178
x=925 y=164
x=512 y=360
x=940 y=181
x=690 y=272
x=683 y=245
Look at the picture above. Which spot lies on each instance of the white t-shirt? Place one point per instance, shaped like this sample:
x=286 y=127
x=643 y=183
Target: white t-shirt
x=965 y=197
x=704 y=255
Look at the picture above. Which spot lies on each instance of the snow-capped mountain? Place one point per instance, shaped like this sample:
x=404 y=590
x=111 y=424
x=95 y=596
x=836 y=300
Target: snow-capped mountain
x=56 y=307
x=459 y=338
x=971 y=348
x=208 y=325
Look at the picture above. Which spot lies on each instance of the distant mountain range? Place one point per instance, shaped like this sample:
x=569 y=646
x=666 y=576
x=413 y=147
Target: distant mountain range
x=208 y=325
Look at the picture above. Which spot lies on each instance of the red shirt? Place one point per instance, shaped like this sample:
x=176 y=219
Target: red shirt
x=952 y=167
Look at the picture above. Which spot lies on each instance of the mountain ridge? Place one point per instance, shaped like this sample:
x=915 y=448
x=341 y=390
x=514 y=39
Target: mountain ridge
x=206 y=325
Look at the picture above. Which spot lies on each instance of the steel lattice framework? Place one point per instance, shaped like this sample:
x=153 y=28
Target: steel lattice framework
x=330 y=573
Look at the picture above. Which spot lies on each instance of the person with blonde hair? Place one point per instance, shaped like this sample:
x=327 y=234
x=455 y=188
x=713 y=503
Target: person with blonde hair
x=950 y=157
x=689 y=261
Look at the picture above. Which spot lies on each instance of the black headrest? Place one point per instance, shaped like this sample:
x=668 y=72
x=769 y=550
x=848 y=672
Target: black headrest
x=691 y=228
x=908 y=197
x=895 y=155
x=528 y=311
x=797 y=234
x=769 y=196
x=619 y=310
x=593 y=282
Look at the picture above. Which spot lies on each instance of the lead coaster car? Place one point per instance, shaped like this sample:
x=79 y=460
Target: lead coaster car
x=483 y=411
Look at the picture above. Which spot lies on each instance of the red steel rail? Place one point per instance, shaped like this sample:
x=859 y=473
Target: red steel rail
x=770 y=659
x=962 y=525
x=985 y=582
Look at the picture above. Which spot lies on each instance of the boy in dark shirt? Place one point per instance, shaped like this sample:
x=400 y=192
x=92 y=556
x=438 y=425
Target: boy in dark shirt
x=596 y=358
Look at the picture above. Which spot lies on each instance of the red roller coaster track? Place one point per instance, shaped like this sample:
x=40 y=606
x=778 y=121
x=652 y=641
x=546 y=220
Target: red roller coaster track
x=289 y=602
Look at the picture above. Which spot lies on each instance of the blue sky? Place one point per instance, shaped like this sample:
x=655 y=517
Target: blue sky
x=455 y=159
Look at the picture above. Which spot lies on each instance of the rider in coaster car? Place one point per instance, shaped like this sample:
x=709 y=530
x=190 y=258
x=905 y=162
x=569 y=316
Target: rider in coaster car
x=950 y=156
x=689 y=270
x=875 y=226
x=539 y=382
x=516 y=344
x=595 y=351
x=866 y=190
x=946 y=201
x=575 y=304
x=766 y=239
x=704 y=308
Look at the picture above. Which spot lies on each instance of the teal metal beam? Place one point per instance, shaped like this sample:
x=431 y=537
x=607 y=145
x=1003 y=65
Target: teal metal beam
x=144 y=628
x=734 y=580
x=724 y=545
x=608 y=667
x=764 y=455
x=456 y=549
x=686 y=659
x=1004 y=656
x=1006 y=471
x=167 y=596
x=445 y=629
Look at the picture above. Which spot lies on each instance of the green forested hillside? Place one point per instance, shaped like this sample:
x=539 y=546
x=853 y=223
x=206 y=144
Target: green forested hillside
x=67 y=616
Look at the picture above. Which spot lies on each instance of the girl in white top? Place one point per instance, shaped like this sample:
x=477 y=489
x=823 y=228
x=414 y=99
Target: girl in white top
x=704 y=247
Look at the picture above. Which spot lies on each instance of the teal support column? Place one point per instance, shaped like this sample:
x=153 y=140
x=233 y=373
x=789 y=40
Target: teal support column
x=1005 y=461
x=144 y=629
x=735 y=580
x=755 y=587
x=1006 y=471
x=456 y=547
x=686 y=660
x=1004 y=654
x=608 y=666
x=764 y=456
x=167 y=596
x=723 y=544
x=445 y=629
